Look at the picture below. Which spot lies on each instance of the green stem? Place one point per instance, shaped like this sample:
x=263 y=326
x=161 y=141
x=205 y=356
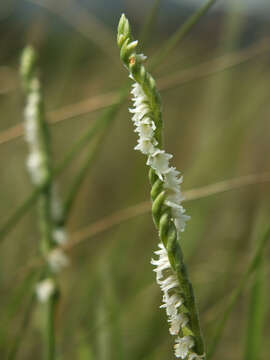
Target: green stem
x=253 y=345
x=27 y=287
x=49 y=328
x=149 y=22
x=19 y=213
x=181 y=33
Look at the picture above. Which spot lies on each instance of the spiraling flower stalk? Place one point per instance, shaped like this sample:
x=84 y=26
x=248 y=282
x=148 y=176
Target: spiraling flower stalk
x=40 y=170
x=168 y=213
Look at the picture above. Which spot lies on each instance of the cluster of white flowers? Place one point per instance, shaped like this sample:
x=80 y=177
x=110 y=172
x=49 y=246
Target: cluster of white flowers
x=36 y=159
x=158 y=160
x=45 y=289
x=172 y=301
x=36 y=163
x=56 y=258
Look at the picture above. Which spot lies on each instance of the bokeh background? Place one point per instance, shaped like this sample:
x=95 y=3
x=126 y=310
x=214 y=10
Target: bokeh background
x=215 y=88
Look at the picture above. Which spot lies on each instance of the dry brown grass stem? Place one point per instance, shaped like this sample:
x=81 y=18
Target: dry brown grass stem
x=80 y=236
x=182 y=77
x=194 y=194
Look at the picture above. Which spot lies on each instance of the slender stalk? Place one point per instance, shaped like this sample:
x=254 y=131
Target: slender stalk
x=40 y=170
x=255 y=324
x=28 y=287
x=26 y=319
x=182 y=32
x=150 y=20
x=255 y=262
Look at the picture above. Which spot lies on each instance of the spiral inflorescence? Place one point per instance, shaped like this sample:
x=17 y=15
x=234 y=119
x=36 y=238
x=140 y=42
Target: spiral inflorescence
x=168 y=213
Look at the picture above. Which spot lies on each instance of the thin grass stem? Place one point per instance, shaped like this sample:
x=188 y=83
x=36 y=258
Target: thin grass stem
x=220 y=327
x=180 y=34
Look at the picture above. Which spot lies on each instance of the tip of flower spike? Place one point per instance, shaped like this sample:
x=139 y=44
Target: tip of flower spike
x=28 y=62
x=123 y=30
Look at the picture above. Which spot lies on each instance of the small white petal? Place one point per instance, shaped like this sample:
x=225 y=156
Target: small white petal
x=177 y=321
x=172 y=179
x=159 y=161
x=44 y=290
x=57 y=260
x=36 y=168
x=146 y=128
x=182 y=346
x=145 y=146
x=141 y=57
x=59 y=235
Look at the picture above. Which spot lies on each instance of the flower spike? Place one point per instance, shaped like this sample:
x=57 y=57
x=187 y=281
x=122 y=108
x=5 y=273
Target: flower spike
x=168 y=213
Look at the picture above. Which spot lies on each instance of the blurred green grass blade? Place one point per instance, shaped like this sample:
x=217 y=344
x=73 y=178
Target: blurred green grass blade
x=84 y=351
x=22 y=329
x=85 y=139
x=88 y=136
x=254 y=337
x=254 y=264
x=181 y=33
x=15 y=302
x=18 y=213
x=106 y=122
x=149 y=23
x=26 y=288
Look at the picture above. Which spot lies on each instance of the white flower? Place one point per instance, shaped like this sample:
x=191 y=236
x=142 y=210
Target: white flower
x=182 y=346
x=180 y=222
x=146 y=128
x=177 y=321
x=139 y=112
x=57 y=259
x=31 y=128
x=137 y=91
x=178 y=213
x=145 y=146
x=35 y=161
x=59 y=235
x=174 y=196
x=141 y=57
x=35 y=165
x=171 y=304
x=45 y=289
x=172 y=183
x=159 y=161
x=161 y=265
x=169 y=283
